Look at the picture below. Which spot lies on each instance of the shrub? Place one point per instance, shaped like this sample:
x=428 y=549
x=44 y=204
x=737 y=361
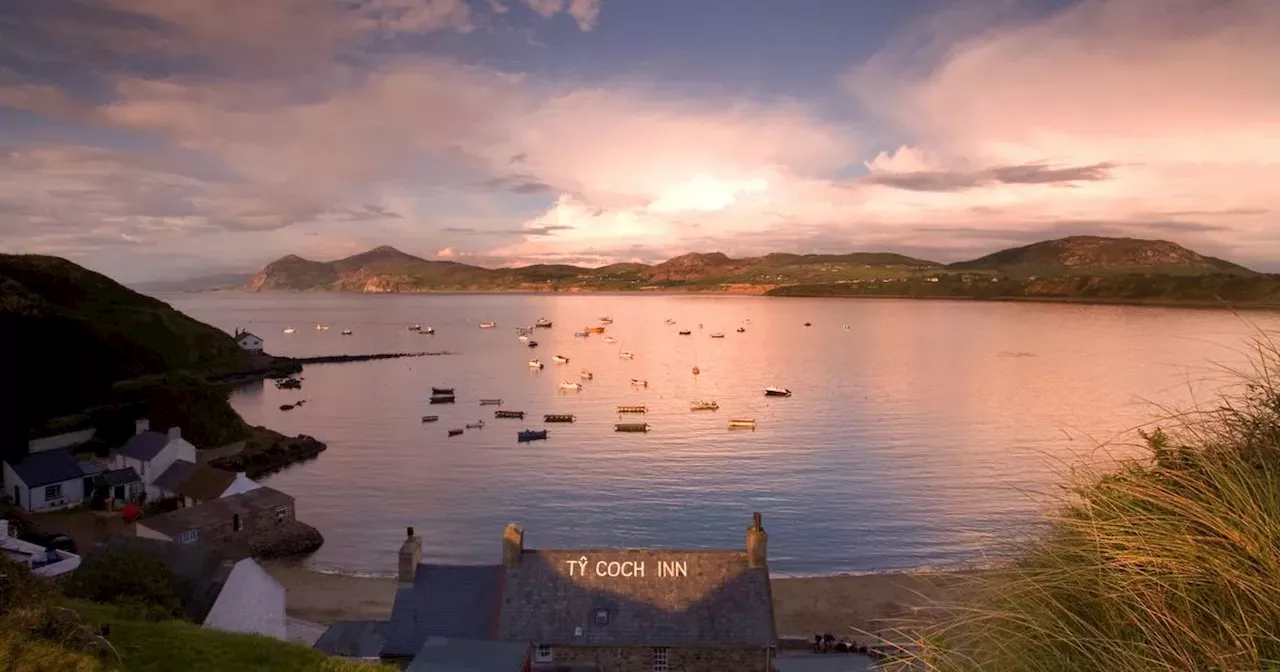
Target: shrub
x=36 y=635
x=131 y=578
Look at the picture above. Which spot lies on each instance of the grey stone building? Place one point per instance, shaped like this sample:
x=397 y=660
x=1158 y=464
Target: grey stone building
x=594 y=609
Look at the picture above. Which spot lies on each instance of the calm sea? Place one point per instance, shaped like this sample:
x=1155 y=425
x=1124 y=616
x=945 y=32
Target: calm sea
x=920 y=433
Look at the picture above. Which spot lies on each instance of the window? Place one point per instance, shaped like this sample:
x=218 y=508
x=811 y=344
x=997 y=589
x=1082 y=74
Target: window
x=52 y=492
x=235 y=522
x=602 y=617
x=660 y=660
x=189 y=537
x=282 y=513
x=542 y=654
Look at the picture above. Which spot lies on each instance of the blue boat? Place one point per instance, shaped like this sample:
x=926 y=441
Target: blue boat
x=579 y=334
x=531 y=435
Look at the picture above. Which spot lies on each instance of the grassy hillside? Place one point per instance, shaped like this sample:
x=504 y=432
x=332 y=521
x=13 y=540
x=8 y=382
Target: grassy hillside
x=1095 y=255
x=1219 y=289
x=386 y=269
x=80 y=334
x=1166 y=563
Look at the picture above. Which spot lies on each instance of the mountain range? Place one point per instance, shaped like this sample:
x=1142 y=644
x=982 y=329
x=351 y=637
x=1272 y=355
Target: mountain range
x=386 y=269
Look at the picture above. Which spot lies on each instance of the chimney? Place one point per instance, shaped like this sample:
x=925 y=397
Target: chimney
x=410 y=557
x=512 y=545
x=175 y=433
x=141 y=425
x=757 y=544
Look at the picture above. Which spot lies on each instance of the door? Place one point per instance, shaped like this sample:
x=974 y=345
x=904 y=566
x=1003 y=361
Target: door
x=119 y=492
x=88 y=488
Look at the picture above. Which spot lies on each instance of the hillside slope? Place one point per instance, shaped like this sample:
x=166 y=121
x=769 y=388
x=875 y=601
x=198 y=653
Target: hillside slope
x=72 y=335
x=1096 y=255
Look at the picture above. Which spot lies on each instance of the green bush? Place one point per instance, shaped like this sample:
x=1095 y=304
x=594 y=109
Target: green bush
x=143 y=583
x=38 y=635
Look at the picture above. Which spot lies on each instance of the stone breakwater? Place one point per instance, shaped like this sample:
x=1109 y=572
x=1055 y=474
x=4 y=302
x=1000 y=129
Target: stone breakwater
x=288 y=539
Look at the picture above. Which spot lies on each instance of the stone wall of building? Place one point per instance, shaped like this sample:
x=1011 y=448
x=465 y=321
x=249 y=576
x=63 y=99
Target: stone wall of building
x=254 y=524
x=679 y=659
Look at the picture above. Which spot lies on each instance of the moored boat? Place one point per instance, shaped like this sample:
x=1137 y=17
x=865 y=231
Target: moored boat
x=488 y=325
x=443 y=399
x=490 y=402
x=533 y=344
x=527 y=435
x=580 y=334
x=415 y=327
x=290 y=330
x=670 y=322
x=696 y=370
x=442 y=390
x=594 y=330
x=606 y=320
x=717 y=335
x=575 y=387
x=704 y=406
x=742 y=330
x=479 y=424
x=742 y=423
x=684 y=332
x=631 y=427
x=777 y=392
x=535 y=364
x=455 y=432
x=560 y=359
x=522 y=337
x=586 y=375
x=543 y=322
x=428 y=330
x=430 y=418
x=633 y=409
x=322 y=327
x=610 y=339
x=626 y=355
x=347 y=332
x=558 y=417
x=519 y=415
x=639 y=383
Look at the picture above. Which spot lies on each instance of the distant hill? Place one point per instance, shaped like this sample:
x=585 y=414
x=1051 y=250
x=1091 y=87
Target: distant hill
x=81 y=334
x=1095 y=255
x=385 y=269
x=205 y=283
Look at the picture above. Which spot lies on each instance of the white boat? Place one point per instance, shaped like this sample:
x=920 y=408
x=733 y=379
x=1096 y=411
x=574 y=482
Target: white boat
x=704 y=406
x=610 y=339
x=586 y=375
x=322 y=327
x=566 y=385
x=639 y=383
x=488 y=325
x=560 y=359
x=777 y=392
x=742 y=423
x=416 y=327
x=290 y=330
x=606 y=320
x=428 y=330
x=542 y=322
x=522 y=337
x=626 y=355
x=346 y=332
x=535 y=364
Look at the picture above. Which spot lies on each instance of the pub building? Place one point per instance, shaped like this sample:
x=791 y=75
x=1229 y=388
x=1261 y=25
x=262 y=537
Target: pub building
x=593 y=609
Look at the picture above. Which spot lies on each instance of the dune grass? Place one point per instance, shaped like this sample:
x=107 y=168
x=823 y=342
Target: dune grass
x=1171 y=562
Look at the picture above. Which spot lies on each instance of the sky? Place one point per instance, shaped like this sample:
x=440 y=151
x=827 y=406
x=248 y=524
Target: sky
x=167 y=139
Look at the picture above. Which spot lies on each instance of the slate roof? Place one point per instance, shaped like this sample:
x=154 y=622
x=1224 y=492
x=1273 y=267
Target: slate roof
x=353 y=639
x=121 y=477
x=205 y=483
x=199 y=571
x=440 y=654
x=175 y=475
x=720 y=602
x=144 y=445
x=213 y=511
x=244 y=335
x=459 y=601
x=47 y=467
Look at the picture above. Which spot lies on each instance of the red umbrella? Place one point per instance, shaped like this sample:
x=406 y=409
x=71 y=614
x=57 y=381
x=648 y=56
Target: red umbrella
x=130 y=512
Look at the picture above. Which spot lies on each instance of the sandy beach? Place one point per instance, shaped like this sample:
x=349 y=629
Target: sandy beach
x=802 y=606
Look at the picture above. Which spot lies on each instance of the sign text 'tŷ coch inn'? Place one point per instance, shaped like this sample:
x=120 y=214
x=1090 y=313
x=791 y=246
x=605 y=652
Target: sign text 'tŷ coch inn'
x=629 y=568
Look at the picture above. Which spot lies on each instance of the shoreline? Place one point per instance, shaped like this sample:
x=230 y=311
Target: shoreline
x=1081 y=301
x=842 y=604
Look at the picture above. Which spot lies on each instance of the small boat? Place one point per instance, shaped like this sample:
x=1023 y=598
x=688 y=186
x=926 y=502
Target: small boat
x=594 y=330
x=346 y=332
x=455 y=432
x=287 y=407
x=430 y=418
x=535 y=364
x=543 y=322
x=560 y=359
x=428 y=330
x=533 y=344
x=670 y=322
x=704 y=406
x=586 y=375
x=777 y=392
x=416 y=327
x=696 y=370
x=442 y=390
x=479 y=424
x=443 y=399
x=639 y=383
x=699 y=325
x=684 y=332
x=606 y=320
x=717 y=335
x=742 y=330
x=490 y=402
x=488 y=325
x=289 y=384
x=566 y=385
x=524 y=331
x=522 y=337
x=807 y=324
x=610 y=339
x=519 y=415
x=580 y=334
x=531 y=435
x=631 y=427
x=633 y=409
x=558 y=417
x=626 y=355
x=322 y=327
x=742 y=423
x=290 y=330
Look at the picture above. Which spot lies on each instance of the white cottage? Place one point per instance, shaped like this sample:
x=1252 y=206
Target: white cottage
x=47 y=480
x=151 y=454
x=249 y=342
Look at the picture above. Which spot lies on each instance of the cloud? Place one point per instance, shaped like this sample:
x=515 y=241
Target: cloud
x=939 y=180
x=585 y=12
x=446 y=253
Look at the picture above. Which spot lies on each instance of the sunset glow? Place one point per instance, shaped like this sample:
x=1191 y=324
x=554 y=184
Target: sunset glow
x=517 y=131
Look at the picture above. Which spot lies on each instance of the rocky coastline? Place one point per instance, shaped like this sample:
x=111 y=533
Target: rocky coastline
x=267 y=451
x=290 y=539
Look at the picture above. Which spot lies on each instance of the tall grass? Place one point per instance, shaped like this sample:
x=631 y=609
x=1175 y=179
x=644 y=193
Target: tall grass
x=1170 y=562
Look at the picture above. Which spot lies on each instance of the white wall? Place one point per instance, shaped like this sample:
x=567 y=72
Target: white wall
x=11 y=481
x=240 y=485
x=145 y=532
x=60 y=440
x=176 y=449
x=251 y=602
x=33 y=500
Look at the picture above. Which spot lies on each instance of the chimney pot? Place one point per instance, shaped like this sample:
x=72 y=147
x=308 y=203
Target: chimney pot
x=757 y=544
x=410 y=557
x=175 y=433
x=410 y=532
x=512 y=545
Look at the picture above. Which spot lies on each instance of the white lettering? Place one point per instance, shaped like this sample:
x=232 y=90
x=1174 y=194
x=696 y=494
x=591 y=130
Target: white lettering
x=572 y=564
x=582 y=566
x=615 y=568
x=628 y=569
x=640 y=569
x=664 y=568
x=682 y=568
x=601 y=568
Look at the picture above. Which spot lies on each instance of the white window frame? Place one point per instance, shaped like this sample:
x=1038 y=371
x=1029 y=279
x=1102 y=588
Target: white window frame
x=282 y=514
x=662 y=660
x=189 y=537
x=543 y=653
x=52 y=492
